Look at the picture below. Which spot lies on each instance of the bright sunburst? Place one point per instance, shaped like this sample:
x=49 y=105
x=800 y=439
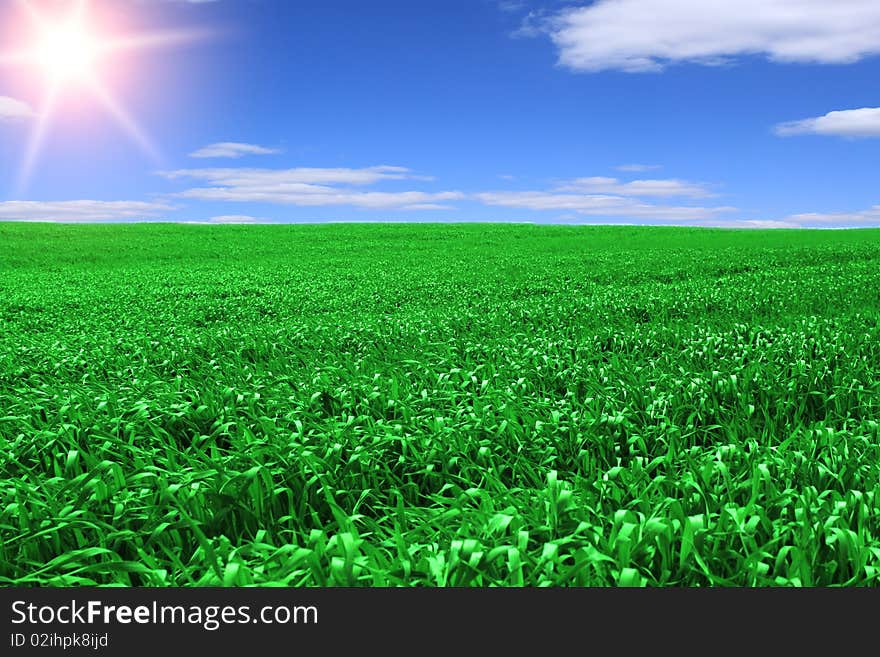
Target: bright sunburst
x=67 y=51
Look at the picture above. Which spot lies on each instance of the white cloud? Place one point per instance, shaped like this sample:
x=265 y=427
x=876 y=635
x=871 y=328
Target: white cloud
x=430 y=206
x=14 y=110
x=768 y=223
x=231 y=149
x=856 y=219
x=599 y=205
x=311 y=187
x=648 y=35
x=314 y=196
x=638 y=168
x=279 y=179
x=80 y=211
x=750 y=223
x=654 y=188
x=236 y=219
x=871 y=216
x=864 y=122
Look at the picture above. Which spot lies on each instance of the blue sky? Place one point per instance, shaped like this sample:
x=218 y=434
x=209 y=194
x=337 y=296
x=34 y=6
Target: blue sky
x=689 y=112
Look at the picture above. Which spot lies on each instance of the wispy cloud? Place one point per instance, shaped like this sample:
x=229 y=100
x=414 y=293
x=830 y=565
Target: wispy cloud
x=234 y=150
x=312 y=187
x=12 y=109
x=648 y=35
x=649 y=188
x=599 y=205
x=854 y=123
x=638 y=168
x=869 y=217
x=80 y=211
x=511 y=5
x=314 y=196
x=762 y=223
x=237 y=219
x=280 y=179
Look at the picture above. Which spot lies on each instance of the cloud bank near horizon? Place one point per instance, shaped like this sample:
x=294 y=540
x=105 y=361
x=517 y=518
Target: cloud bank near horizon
x=583 y=200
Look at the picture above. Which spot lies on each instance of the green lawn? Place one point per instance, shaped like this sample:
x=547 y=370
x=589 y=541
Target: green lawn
x=437 y=405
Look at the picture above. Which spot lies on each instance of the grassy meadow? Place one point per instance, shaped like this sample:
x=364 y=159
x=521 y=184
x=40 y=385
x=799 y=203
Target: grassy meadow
x=438 y=405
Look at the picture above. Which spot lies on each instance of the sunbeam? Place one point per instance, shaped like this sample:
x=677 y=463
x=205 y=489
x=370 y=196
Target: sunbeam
x=125 y=120
x=31 y=11
x=151 y=40
x=38 y=137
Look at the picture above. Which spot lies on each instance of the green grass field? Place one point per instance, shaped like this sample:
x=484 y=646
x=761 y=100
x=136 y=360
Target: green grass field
x=428 y=405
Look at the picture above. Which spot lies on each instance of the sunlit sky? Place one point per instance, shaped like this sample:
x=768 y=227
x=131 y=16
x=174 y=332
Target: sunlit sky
x=755 y=113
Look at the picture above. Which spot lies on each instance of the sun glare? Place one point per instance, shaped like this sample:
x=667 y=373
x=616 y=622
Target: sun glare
x=67 y=53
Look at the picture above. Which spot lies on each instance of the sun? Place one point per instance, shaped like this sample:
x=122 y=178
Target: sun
x=67 y=52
